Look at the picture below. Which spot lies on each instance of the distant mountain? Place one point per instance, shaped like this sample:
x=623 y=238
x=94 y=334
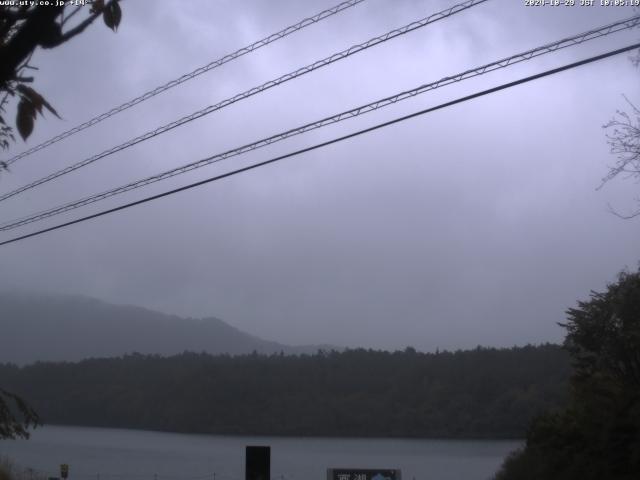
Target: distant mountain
x=35 y=327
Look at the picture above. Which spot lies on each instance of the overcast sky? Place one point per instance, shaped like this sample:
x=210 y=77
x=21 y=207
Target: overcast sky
x=477 y=224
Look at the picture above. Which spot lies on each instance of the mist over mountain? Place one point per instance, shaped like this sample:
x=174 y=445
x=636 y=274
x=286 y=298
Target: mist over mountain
x=42 y=327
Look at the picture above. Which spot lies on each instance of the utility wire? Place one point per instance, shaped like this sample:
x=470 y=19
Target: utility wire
x=253 y=91
x=184 y=78
x=330 y=142
x=378 y=104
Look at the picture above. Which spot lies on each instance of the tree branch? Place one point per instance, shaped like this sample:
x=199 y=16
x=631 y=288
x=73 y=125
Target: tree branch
x=10 y=425
x=83 y=25
x=30 y=34
x=68 y=17
x=624 y=217
x=78 y=28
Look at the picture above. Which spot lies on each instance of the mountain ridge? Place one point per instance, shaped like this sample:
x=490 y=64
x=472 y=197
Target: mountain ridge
x=51 y=327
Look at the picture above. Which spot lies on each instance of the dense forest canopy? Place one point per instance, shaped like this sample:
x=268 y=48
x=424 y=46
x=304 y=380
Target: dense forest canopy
x=597 y=436
x=477 y=393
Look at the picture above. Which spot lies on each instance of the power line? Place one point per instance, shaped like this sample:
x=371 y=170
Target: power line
x=253 y=91
x=378 y=104
x=184 y=78
x=329 y=142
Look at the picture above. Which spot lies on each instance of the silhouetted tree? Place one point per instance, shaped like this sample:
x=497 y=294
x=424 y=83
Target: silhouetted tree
x=598 y=435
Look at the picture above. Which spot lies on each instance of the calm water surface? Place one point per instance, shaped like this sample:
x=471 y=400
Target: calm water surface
x=114 y=454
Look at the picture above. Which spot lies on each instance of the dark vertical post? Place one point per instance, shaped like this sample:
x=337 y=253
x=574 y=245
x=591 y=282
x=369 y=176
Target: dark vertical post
x=258 y=463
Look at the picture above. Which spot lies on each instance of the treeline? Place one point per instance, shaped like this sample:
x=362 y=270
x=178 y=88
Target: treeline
x=481 y=393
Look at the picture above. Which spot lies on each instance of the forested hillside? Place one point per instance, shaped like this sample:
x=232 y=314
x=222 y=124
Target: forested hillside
x=477 y=393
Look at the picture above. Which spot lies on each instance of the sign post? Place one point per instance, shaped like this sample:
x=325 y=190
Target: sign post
x=363 y=474
x=258 y=463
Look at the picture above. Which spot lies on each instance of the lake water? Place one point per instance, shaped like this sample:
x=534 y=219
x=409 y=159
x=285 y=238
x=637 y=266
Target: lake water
x=115 y=454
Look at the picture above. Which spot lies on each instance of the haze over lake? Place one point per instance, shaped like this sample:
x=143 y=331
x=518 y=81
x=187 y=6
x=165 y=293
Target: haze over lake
x=96 y=453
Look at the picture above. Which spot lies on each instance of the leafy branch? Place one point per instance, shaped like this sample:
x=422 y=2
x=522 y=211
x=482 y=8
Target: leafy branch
x=16 y=416
x=24 y=28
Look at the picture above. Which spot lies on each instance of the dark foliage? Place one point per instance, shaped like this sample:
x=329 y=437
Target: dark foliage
x=598 y=435
x=26 y=26
x=477 y=393
x=16 y=416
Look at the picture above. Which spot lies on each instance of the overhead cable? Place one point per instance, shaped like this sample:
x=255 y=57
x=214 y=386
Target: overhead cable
x=253 y=91
x=329 y=142
x=376 y=105
x=184 y=78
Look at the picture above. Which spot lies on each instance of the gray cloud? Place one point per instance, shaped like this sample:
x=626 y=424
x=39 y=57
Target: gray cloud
x=478 y=224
